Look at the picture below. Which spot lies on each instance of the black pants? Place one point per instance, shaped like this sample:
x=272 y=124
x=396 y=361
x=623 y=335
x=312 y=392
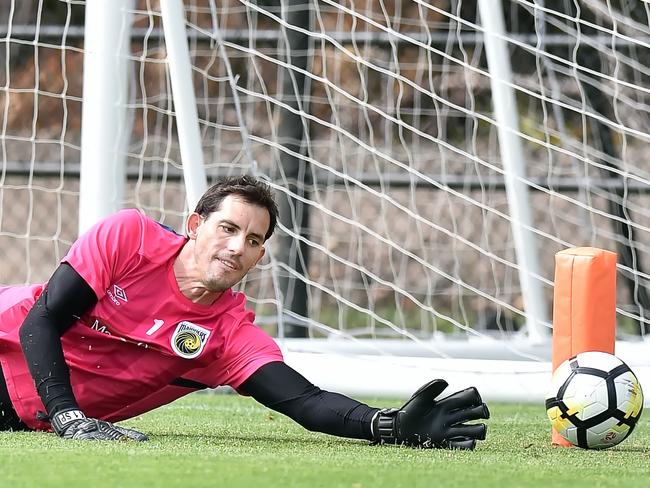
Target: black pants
x=8 y=417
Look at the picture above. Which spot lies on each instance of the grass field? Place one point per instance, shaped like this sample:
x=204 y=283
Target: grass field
x=230 y=441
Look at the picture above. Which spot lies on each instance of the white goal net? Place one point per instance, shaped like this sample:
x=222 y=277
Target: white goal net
x=430 y=158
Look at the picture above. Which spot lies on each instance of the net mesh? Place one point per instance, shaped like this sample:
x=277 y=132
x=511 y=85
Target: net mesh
x=377 y=120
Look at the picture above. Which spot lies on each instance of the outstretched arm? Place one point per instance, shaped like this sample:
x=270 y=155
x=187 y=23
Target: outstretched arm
x=66 y=298
x=422 y=421
x=281 y=388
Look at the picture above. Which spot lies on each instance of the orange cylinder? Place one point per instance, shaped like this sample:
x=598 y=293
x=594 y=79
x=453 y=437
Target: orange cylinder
x=584 y=306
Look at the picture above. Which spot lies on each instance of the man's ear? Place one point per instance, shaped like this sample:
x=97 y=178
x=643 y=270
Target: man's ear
x=192 y=224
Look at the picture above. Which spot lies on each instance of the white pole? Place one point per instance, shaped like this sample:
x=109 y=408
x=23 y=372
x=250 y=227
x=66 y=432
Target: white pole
x=187 y=119
x=506 y=114
x=103 y=117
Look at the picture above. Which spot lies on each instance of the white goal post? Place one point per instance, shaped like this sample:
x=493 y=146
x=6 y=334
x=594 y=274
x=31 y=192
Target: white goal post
x=429 y=158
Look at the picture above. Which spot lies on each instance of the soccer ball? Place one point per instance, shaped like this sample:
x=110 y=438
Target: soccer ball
x=595 y=400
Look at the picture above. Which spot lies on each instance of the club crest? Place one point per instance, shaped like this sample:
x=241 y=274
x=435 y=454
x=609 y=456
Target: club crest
x=188 y=340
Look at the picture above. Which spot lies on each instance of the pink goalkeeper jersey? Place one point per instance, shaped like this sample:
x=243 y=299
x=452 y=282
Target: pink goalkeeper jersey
x=144 y=344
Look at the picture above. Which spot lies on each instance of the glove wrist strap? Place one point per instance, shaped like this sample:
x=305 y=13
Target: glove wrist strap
x=385 y=431
x=64 y=418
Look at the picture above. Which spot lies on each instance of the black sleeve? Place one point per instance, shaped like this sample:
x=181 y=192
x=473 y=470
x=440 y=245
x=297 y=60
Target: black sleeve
x=66 y=297
x=283 y=389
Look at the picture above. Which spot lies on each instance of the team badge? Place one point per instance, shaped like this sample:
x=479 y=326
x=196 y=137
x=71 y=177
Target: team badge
x=188 y=340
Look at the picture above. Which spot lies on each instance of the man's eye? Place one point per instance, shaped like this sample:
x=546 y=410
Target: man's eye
x=228 y=229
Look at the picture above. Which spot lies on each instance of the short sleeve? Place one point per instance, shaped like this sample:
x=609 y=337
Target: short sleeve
x=248 y=349
x=108 y=249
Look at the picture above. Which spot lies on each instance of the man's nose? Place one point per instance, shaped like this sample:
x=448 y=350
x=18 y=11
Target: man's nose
x=237 y=244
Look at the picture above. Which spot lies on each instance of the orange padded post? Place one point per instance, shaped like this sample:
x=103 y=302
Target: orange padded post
x=584 y=306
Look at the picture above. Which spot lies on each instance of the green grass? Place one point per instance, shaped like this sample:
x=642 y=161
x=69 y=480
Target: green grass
x=229 y=441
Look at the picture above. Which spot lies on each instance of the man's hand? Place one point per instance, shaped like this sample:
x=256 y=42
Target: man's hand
x=427 y=423
x=73 y=424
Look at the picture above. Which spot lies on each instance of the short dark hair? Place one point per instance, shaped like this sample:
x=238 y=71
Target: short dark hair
x=248 y=188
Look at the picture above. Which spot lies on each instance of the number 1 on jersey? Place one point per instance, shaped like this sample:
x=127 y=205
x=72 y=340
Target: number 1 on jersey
x=157 y=324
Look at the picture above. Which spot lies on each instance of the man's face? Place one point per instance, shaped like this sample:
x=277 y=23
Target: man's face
x=228 y=242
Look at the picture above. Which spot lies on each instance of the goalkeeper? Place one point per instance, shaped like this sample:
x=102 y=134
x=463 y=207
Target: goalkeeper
x=136 y=316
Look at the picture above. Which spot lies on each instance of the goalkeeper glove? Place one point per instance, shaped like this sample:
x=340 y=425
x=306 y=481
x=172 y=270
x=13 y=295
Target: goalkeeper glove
x=427 y=423
x=73 y=424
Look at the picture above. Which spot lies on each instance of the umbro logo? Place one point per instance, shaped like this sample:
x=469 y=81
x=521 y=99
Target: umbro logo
x=120 y=293
x=117 y=295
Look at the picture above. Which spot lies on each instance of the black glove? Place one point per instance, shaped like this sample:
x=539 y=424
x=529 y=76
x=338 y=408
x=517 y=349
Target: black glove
x=426 y=423
x=73 y=424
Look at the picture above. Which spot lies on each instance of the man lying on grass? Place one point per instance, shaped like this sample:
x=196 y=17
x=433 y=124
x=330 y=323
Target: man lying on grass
x=137 y=316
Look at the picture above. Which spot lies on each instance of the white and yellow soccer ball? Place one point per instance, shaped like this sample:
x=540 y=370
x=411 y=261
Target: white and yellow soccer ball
x=594 y=401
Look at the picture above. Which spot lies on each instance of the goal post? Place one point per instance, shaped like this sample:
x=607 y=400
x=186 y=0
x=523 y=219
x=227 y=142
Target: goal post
x=514 y=166
x=438 y=164
x=187 y=121
x=104 y=116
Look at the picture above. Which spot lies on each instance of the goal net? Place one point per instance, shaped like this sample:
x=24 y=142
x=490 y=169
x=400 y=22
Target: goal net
x=430 y=159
